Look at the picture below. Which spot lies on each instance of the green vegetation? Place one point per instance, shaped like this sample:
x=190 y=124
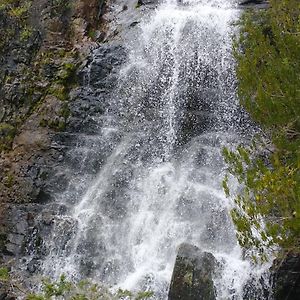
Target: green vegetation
x=19 y=11
x=40 y=71
x=7 y=133
x=4 y=274
x=69 y=290
x=83 y=290
x=92 y=33
x=60 y=7
x=26 y=33
x=9 y=180
x=15 y=8
x=267 y=212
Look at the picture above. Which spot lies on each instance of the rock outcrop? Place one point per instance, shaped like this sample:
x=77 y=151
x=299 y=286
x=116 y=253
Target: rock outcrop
x=192 y=277
x=44 y=46
x=286 y=278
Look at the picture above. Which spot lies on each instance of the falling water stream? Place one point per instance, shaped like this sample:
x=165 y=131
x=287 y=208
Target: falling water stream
x=173 y=109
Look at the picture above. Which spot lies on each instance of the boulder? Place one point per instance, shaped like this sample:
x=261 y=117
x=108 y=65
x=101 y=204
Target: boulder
x=192 y=277
x=286 y=278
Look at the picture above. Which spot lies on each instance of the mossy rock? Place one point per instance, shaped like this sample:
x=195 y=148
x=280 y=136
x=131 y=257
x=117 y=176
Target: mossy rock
x=7 y=134
x=192 y=275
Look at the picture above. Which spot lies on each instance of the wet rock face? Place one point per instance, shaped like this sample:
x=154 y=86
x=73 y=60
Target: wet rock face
x=286 y=278
x=102 y=71
x=43 y=44
x=41 y=162
x=42 y=105
x=192 y=275
x=26 y=226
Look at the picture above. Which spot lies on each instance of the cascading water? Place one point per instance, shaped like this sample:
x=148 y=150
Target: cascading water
x=170 y=114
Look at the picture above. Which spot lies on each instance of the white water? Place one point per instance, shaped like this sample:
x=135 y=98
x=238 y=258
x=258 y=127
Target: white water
x=174 y=109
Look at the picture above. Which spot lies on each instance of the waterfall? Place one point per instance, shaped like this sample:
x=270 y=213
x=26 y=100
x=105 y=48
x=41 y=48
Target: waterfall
x=171 y=111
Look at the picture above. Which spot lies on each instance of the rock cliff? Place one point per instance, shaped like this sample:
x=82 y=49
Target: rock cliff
x=43 y=47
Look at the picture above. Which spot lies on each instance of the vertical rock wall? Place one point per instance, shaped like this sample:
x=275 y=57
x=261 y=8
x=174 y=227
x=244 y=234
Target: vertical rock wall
x=43 y=46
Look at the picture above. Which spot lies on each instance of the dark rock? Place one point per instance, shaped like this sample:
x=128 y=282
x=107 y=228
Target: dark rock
x=286 y=278
x=251 y=2
x=255 y=3
x=257 y=287
x=3 y=296
x=33 y=266
x=102 y=71
x=192 y=275
x=134 y=23
x=43 y=197
x=147 y=2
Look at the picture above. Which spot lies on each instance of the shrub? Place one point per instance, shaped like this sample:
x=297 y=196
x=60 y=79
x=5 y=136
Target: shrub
x=267 y=212
x=83 y=290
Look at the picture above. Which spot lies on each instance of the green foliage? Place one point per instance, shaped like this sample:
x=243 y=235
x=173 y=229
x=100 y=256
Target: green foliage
x=20 y=10
x=270 y=193
x=17 y=9
x=67 y=74
x=64 y=289
x=124 y=294
x=60 y=7
x=16 y=13
x=269 y=66
x=7 y=133
x=59 y=91
x=143 y=295
x=26 y=33
x=267 y=212
x=138 y=5
x=92 y=33
x=9 y=180
x=4 y=274
x=83 y=290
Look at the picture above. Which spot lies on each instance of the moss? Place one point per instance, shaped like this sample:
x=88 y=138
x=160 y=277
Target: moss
x=6 y=4
x=20 y=11
x=91 y=33
x=4 y=274
x=60 y=8
x=138 y=5
x=55 y=124
x=46 y=72
x=59 y=91
x=7 y=134
x=67 y=74
x=26 y=33
x=9 y=180
x=188 y=278
x=43 y=123
x=65 y=111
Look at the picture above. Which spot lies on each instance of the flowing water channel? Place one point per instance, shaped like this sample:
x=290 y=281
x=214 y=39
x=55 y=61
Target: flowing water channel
x=172 y=110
